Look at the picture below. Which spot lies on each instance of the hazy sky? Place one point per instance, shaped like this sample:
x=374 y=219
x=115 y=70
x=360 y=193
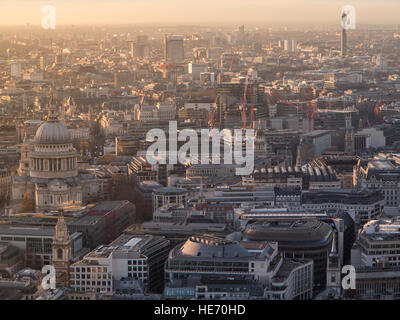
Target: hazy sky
x=18 y=12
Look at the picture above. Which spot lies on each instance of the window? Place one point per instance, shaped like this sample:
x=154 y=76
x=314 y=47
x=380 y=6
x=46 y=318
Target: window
x=59 y=254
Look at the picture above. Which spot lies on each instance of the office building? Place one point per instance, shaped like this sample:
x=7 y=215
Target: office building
x=297 y=238
x=379 y=174
x=378 y=244
x=135 y=259
x=208 y=267
x=173 y=49
x=36 y=243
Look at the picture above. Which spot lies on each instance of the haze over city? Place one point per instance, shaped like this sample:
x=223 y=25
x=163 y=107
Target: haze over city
x=189 y=12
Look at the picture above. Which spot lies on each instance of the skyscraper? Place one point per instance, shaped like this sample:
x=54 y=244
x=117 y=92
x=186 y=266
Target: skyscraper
x=288 y=45
x=173 y=49
x=344 y=36
x=140 y=48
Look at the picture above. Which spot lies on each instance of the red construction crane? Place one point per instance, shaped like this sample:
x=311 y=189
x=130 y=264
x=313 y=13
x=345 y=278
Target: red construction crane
x=244 y=101
x=288 y=103
x=310 y=109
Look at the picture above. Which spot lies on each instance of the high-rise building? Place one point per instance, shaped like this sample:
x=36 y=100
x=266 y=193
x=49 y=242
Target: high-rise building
x=344 y=36
x=288 y=45
x=344 y=43
x=173 y=49
x=241 y=35
x=294 y=45
x=195 y=69
x=140 y=48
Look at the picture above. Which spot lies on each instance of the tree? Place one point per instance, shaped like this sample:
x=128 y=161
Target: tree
x=2 y=202
x=125 y=188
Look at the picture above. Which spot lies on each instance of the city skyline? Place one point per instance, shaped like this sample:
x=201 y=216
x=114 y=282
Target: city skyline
x=214 y=151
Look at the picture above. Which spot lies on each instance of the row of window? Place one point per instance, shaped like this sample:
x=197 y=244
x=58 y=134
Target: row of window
x=90 y=269
x=144 y=268
x=90 y=283
x=90 y=276
x=136 y=262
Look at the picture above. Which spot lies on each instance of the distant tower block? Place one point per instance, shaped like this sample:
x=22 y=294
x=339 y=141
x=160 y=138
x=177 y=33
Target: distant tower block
x=344 y=36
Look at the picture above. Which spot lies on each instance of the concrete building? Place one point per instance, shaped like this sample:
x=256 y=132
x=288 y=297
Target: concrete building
x=173 y=49
x=36 y=244
x=141 y=170
x=211 y=170
x=208 y=267
x=11 y=260
x=376 y=138
x=377 y=245
x=321 y=139
x=5 y=182
x=377 y=283
x=139 y=260
x=301 y=239
x=195 y=69
x=380 y=174
x=313 y=177
x=361 y=205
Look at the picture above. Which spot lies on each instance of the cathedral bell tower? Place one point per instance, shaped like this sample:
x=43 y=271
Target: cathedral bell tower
x=62 y=252
x=333 y=270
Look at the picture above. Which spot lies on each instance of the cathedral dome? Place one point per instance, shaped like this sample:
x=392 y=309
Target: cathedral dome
x=52 y=132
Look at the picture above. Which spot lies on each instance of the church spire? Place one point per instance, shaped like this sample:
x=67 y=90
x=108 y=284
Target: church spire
x=62 y=234
x=62 y=252
x=52 y=108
